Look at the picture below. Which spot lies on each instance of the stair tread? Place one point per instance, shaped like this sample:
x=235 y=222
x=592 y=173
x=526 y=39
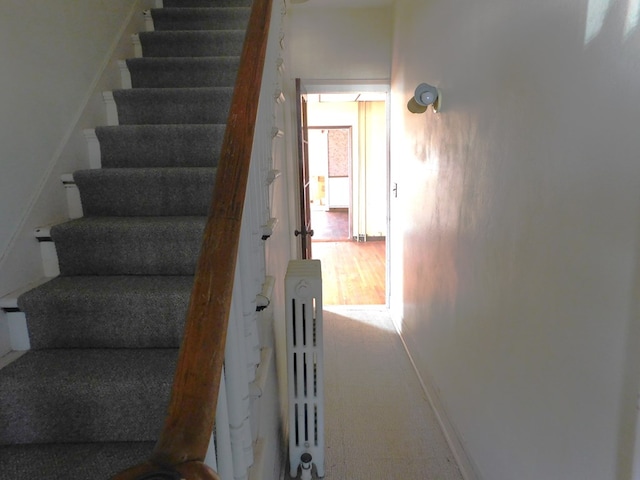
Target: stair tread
x=168 y=93
x=205 y=3
x=77 y=461
x=106 y=225
x=85 y=395
x=182 y=62
x=146 y=171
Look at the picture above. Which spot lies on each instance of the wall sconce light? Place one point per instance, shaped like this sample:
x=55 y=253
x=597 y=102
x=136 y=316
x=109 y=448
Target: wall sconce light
x=424 y=96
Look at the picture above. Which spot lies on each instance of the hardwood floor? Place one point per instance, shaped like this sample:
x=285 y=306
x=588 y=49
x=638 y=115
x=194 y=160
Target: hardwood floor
x=332 y=225
x=353 y=273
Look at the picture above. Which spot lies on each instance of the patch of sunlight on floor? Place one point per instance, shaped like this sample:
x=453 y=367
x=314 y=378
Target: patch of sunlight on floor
x=372 y=315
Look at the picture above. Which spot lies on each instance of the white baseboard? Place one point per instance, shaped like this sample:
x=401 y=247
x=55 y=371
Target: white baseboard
x=465 y=464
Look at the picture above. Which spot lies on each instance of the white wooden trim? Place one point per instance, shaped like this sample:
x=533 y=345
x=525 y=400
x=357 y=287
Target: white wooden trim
x=48 y=252
x=125 y=75
x=137 y=45
x=18 y=331
x=74 y=204
x=111 y=108
x=93 y=147
x=148 y=21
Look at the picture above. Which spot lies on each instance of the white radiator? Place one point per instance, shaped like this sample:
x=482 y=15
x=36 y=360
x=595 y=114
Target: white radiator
x=305 y=367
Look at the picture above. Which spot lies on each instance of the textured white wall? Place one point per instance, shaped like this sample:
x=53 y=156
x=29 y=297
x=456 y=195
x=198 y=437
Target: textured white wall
x=519 y=208
x=340 y=43
x=52 y=53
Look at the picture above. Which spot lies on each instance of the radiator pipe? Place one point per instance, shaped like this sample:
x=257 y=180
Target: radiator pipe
x=305 y=459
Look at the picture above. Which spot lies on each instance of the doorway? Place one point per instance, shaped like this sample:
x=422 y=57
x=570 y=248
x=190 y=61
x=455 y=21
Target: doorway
x=330 y=182
x=348 y=193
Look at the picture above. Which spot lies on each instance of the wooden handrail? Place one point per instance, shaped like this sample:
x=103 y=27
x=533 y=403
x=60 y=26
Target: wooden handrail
x=184 y=441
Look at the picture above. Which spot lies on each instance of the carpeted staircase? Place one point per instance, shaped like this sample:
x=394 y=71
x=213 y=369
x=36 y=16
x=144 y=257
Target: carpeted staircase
x=89 y=399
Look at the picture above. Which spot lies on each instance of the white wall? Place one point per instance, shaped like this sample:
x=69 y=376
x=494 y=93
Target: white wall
x=519 y=205
x=374 y=204
x=339 y=43
x=52 y=53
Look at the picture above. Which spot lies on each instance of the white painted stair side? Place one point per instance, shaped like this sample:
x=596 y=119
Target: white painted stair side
x=137 y=46
x=148 y=21
x=125 y=75
x=93 y=146
x=48 y=252
x=74 y=203
x=112 y=109
x=16 y=320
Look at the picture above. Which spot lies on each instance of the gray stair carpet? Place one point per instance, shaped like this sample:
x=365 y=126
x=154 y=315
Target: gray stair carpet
x=200 y=18
x=185 y=43
x=89 y=398
x=134 y=146
x=145 y=191
x=157 y=106
x=182 y=72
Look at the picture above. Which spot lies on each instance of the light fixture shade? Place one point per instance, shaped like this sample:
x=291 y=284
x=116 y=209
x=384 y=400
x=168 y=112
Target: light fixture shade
x=424 y=96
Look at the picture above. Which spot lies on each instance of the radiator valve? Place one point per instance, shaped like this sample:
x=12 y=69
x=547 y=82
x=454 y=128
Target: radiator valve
x=305 y=459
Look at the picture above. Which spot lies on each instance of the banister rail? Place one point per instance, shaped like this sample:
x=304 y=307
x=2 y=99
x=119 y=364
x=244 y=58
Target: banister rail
x=182 y=446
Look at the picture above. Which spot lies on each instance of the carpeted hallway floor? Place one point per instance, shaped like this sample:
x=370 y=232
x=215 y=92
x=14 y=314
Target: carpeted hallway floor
x=378 y=422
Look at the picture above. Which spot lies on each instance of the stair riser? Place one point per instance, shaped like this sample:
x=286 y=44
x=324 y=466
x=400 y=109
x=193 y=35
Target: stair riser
x=145 y=192
x=30 y=461
x=115 y=247
x=159 y=145
x=173 y=106
x=176 y=73
x=91 y=312
x=191 y=44
x=87 y=396
x=200 y=19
